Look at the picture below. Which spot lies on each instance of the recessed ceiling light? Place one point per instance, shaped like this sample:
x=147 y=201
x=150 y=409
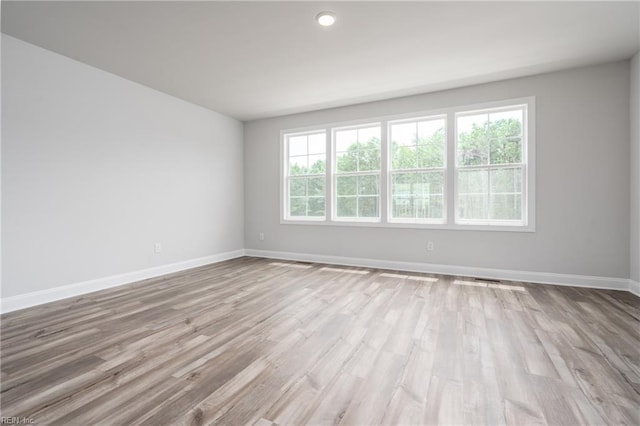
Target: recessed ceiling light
x=326 y=19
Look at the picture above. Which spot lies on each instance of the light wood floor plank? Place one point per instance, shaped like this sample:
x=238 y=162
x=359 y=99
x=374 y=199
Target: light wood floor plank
x=255 y=341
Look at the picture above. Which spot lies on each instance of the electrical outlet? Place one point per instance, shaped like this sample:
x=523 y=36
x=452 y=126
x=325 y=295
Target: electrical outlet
x=262 y=236
x=430 y=246
x=157 y=247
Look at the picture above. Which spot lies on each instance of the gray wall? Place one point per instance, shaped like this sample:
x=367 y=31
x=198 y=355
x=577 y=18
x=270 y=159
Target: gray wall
x=635 y=168
x=582 y=182
x=96 y=169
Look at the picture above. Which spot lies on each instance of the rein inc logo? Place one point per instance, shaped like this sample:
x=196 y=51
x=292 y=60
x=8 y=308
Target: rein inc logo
x=16 y=421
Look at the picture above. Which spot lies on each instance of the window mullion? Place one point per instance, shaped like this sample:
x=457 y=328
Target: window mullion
x=287 y=183
x=328 y=175
x=451 y=184
x=524 y=199
x=383 y=190
x=489 y=192
x=358 y=193
x=306 y=193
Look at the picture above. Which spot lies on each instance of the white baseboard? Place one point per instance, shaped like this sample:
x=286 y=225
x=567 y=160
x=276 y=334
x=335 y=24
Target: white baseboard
x=27 y=300
x=22 y=301
x=500 y=274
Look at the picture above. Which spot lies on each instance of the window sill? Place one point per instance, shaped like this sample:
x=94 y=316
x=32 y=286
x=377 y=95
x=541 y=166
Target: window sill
x=433 y=226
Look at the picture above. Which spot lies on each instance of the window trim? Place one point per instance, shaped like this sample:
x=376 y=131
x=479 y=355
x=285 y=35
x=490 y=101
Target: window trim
x=529 y=178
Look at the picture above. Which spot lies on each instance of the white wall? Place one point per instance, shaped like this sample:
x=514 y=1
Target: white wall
x=96 y=169
x=635 y=168
x=582 y=182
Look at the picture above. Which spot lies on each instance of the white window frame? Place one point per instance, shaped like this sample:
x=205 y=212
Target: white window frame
x=335 y=174
x=450 y=197
x=391 y=172
x=286 y=177
x=524 y=165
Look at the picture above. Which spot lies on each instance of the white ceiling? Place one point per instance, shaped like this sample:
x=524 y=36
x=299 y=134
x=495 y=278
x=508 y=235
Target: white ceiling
x=258 y=59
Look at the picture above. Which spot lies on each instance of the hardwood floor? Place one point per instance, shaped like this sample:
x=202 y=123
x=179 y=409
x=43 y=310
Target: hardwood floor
x=255 y=341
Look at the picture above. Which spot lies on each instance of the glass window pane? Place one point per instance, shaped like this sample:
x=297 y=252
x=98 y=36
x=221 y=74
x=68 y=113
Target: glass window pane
x=506 y=150
x=368 y=207
x=473 y=206
x=472 y=124
x=403 y=157
x=429 y=129
x=431 y=143
x=369 y=136
x=418 y=144
x=472 y=152
x=315 y=186
x=506 y=180
x=317 y=164
x=347 y=162
x=346 y=207
x=473 y=191
x=505 y=123
x=346 y=185
x=297 y=145
x=369 y=159
x=298 y=206
x=431 y=155
x=402 y=207
x=345 y=139
x=317 y=143
x=473 y=182
x=316 y=206
x=402 y=184
x=298 y=165
x=418 y=195
x=428 y=183
x=297 y=187
x=472 y=140
x=368 y=185
x=506 y=206
x=404 y=134
x=430 y=208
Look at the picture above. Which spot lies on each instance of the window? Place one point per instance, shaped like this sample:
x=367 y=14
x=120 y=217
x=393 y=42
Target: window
x=490 y=168
x=305 y=181
x=457 y=168
x=417 y=171
x=357 y=173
